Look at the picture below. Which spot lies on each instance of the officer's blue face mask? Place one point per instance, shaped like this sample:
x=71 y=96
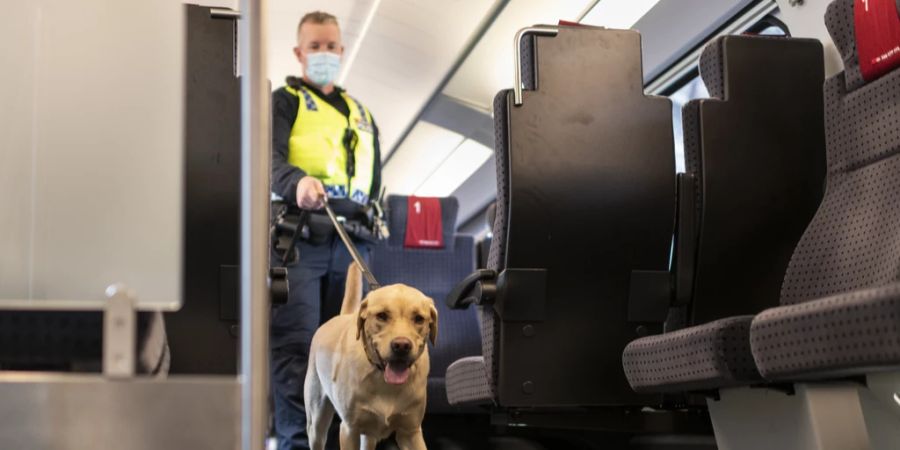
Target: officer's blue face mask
x=322 y=68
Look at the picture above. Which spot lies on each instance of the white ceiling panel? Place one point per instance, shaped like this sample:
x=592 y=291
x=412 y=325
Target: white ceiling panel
x=621 y=14
x=489 y=68
x=410 y=47
x=460 y=165
x=425 y=148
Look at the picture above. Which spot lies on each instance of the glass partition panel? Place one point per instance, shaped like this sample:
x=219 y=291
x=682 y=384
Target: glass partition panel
x=91 y=150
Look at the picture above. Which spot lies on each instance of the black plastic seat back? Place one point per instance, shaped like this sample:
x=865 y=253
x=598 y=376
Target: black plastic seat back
x=203 y=333
x=587 y=197
x=757 y=154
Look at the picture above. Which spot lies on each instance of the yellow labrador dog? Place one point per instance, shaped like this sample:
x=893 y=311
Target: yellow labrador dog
x=370 y=365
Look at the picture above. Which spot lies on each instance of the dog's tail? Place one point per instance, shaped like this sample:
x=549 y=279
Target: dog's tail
x=352 y=290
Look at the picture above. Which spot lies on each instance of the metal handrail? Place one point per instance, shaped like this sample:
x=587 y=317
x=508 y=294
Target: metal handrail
x=517 y=56
x=223 y=13
x=255 y=168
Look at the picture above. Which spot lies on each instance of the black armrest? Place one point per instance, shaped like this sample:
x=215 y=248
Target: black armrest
x=479 y=288
x=685 y=240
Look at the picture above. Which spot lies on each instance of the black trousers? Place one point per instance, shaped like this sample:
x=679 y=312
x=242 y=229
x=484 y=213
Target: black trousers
x=316 y=291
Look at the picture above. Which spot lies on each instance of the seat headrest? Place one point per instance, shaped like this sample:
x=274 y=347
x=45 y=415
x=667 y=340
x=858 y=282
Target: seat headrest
x=841 y=24
x=712 y=68
x=397 y=206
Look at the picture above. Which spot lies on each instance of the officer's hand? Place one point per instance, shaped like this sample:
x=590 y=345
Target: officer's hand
x=310 y=193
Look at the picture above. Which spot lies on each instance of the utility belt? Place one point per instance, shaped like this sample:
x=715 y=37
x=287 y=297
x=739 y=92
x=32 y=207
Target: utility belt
x=290 y=226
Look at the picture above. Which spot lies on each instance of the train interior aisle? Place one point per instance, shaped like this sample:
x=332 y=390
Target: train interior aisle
x=644 y=224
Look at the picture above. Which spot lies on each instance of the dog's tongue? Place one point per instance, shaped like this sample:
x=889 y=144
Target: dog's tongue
x=396 y=374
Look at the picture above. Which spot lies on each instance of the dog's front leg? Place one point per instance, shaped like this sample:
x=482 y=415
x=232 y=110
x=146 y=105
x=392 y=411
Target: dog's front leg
x=349 y=438
x=411 y=441
x=369 y=442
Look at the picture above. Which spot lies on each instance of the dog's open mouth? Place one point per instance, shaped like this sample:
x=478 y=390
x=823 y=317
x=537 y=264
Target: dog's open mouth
x=396 y=372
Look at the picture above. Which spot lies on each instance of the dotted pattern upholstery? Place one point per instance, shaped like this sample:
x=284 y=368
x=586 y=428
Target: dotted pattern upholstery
x=853 y=241
x=840 y=24
x=712 y=69
x=50 y=338
x=490 y=329
x=73 y=341
x=842 y=335
x=861 y=126
x=527 y=57
x=655 y=363
x=467 y=381
x=712 y=355
x=690 y=121
x=841 y=286
x=708 y=356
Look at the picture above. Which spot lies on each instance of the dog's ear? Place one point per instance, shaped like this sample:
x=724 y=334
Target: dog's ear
x=361 y=318
x=433 y=326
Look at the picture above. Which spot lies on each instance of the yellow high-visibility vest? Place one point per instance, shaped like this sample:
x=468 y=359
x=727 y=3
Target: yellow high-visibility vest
x=316 y=145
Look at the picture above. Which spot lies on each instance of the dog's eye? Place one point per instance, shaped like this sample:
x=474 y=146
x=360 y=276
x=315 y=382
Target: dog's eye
x=419 y=319
x=382 y=316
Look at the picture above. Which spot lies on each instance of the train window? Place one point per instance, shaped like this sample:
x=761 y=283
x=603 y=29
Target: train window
x=693 y=88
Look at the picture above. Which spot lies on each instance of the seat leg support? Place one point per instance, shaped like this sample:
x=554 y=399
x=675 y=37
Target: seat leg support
x=817 y=416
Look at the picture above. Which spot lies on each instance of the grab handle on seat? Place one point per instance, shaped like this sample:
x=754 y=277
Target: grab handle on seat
x=479 y=288
x=517 y=56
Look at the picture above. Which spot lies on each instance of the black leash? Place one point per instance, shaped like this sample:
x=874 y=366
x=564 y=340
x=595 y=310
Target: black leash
x=339 y=227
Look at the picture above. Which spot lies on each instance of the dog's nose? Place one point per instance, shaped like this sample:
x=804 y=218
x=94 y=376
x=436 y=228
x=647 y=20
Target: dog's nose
x=401 y=346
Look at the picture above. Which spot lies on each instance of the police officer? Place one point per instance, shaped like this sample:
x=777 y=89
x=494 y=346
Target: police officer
x=324 y=142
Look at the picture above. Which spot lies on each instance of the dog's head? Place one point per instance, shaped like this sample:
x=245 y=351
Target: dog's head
x=394 y=324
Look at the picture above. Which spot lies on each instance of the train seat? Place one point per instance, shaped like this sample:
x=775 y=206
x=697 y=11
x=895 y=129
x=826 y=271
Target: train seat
x=585 y=167
x=829 y=357
x=434 y=271
x=753 y=181
x=841 y=293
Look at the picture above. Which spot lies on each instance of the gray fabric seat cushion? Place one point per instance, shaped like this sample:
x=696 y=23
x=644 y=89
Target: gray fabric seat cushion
x=840 y=289
x=844 y=334
x=467 y=382
x=704 y=357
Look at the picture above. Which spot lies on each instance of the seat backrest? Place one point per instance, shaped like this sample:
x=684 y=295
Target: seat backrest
x=484 y=245
x=759 y=173
x=586 y=183
x=435 y=272
x=203 y=332
x=853 y=242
